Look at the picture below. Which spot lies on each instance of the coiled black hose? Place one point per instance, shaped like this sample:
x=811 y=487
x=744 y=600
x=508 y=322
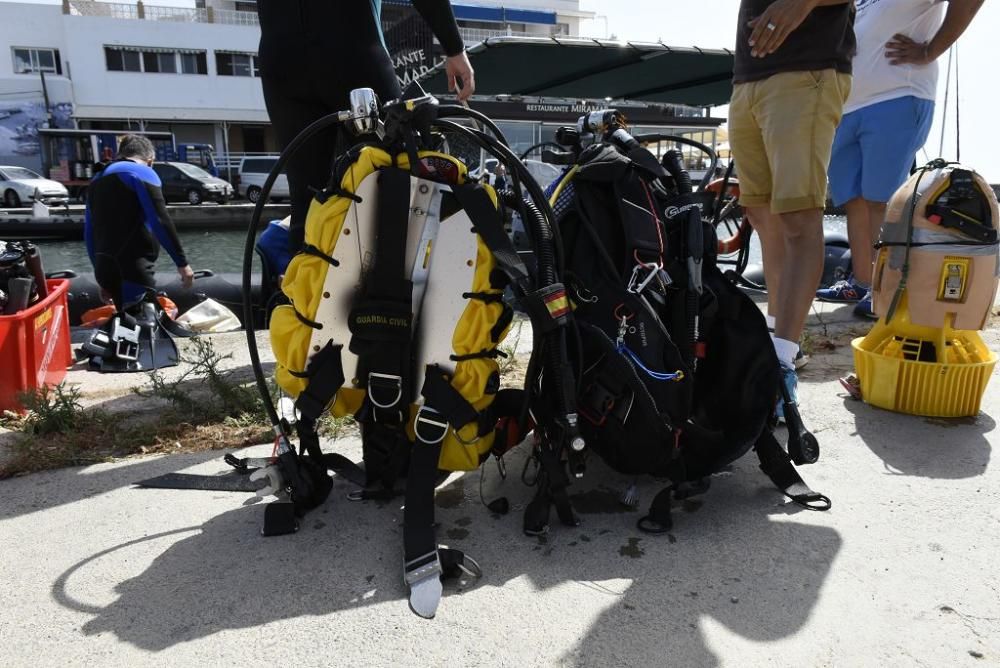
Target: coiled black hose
x=672 y=163
x=248 y=250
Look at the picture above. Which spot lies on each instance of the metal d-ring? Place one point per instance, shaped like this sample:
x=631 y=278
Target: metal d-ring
x=399 y=389
x=457 y=433
x=421 y=418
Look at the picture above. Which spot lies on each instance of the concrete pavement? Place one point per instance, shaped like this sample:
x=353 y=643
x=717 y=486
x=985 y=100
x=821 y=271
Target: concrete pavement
x=901 y=571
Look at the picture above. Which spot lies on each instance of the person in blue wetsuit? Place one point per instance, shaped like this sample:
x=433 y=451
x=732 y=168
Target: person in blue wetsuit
x=126 y=223
x=313 y=53
x=273 y=243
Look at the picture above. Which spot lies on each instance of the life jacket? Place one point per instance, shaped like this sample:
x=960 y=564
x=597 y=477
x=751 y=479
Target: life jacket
x=396 y=316
x=679 y=374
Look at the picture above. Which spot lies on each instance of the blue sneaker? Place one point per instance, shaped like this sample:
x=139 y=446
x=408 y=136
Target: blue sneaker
x=864 y=308
x=791 y=381
x=842 y=292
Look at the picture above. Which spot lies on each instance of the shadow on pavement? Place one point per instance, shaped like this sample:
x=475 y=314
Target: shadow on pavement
x=37 y=492
x=48 y=489
x=945 y=448
x=728 y=558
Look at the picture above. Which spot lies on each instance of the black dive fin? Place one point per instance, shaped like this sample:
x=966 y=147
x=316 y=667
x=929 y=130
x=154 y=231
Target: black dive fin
x=228 y=482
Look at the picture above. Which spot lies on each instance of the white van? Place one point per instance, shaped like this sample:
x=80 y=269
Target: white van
x=253 y=174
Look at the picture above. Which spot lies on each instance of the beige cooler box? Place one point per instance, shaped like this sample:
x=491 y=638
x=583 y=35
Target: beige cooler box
x=953 y=262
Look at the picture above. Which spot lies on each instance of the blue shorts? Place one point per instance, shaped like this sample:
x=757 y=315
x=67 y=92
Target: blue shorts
x=875 y=146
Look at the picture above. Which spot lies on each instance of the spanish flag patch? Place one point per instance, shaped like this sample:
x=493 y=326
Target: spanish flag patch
x=557 y=304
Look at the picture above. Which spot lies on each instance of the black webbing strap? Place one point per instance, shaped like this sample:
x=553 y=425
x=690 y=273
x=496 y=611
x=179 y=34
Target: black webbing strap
x=326 y=376
x=486 y=220
x=774 y=462
x=658 y=519
x=422 y=569
x=442 y=395
x=381 y=321
x=337 y=463
x=502 y=323
x=385 y=450
x=305 y=477
x=548 y=307
x=458 y=412
x=309 y=249
x=552 y=490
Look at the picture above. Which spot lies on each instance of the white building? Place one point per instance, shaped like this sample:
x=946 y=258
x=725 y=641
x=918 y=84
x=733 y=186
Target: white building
x=191 y=71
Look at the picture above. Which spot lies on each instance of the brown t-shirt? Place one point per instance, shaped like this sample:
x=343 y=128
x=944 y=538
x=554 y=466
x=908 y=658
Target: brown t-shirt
x=824 y=40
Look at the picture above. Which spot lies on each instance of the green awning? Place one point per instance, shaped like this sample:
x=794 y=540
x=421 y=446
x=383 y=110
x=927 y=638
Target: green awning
x=579 y=68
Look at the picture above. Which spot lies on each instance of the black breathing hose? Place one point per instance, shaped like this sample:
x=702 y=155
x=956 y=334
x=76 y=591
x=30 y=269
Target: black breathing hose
x=549 y=232
x=505 y=155
x=709 y=173
x=455 y=111
x=547 y=241
x=248 y=250
x=672 y=163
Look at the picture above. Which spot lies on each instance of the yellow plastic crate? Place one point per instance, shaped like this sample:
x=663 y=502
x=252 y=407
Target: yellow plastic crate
x=901 y=368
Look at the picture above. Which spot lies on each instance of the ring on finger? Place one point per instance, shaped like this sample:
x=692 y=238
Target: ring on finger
x=770 y=26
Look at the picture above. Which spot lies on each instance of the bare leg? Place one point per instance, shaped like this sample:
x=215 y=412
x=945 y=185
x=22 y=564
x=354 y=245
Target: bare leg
x=800 y=272
x=864 y=222
x=859 y=235
x=876 y=216
x=772 y=248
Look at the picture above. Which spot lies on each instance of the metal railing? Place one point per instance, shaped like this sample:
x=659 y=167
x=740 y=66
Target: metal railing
x=114 y=10
x=142 y=11
x=180 y=14
x=235 y=18
x=475 y=35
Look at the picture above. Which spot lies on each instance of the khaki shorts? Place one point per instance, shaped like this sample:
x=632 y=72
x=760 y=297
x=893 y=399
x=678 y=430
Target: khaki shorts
x=780 y=131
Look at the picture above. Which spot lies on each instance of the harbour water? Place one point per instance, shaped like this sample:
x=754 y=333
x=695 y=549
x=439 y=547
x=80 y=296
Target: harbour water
x=222 y=252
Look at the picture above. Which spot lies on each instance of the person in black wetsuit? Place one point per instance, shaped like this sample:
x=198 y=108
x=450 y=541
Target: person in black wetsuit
x=313 y=53
x=126 y=223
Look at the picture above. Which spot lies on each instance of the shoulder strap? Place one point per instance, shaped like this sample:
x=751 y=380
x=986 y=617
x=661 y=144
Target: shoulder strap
x=775 y=463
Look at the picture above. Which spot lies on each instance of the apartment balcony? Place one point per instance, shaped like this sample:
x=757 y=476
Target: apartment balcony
x=476 y=35
x=142 y=11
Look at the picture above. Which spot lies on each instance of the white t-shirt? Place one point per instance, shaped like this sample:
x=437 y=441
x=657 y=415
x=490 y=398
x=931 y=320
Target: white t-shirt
x=875 y=80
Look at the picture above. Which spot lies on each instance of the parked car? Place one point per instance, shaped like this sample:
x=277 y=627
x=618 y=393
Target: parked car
x=192 y=184
x=253 y=174
x=19 y=185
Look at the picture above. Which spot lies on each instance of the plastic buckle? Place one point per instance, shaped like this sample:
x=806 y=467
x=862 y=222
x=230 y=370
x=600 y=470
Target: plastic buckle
x=421 y=418
x=423 y=578
x=125 y=341
x=596 y=403
x=275 y=480
x=384 y=380
x=635 y=286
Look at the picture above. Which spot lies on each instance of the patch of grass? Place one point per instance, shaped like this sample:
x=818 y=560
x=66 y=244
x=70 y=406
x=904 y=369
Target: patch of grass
x=334 y=427
x=209 y=410
x=49 y=410
x=216 y=396
x=514 y=366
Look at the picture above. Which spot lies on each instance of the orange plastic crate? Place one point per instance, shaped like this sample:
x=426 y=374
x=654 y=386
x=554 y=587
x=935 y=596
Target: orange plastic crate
x=35 y=345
